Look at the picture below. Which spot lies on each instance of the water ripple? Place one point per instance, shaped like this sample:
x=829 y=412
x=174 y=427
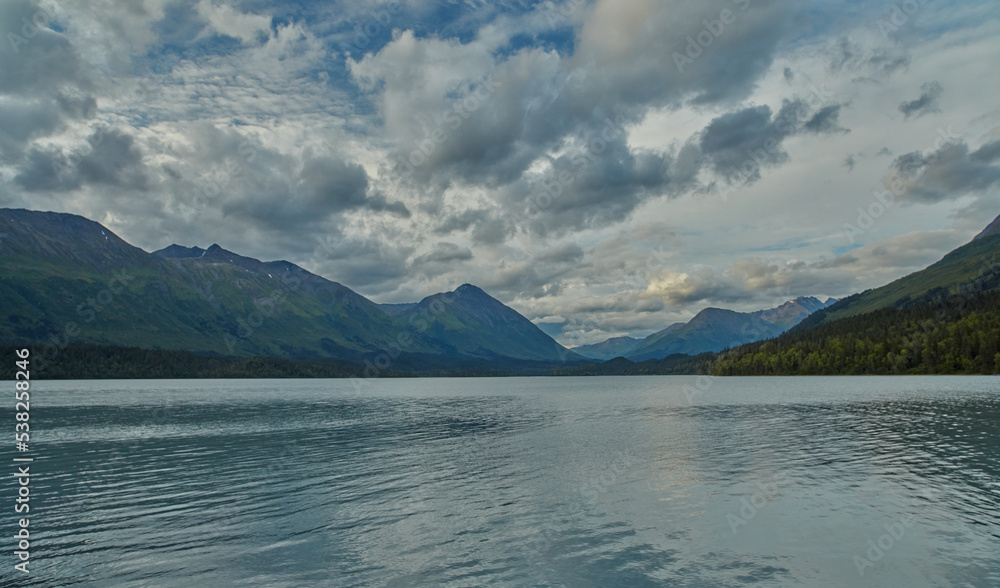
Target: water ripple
x=513 y=482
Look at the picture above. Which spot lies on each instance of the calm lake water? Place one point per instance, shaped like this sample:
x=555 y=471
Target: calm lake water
x=655 y=481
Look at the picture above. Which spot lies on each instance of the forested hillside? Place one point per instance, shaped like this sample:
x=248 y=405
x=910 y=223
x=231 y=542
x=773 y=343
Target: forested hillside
x=945 y=335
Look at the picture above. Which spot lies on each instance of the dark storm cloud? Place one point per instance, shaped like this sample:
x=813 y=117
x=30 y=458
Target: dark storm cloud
x=109 y=158
x=929 y=101
x=22 y=121
x=368 y=263
x=444 y=253
x=604 y=181
x=492 y=231
x=987 y=153
x=587 y=188
x=735 y=61
x=564 y=253
x=825 y=121
x=38 y=172
x=946 y=174
x=35 y=60
x=488 y=226
x=739 y=144
x=461 y=221
x=731 y=138
x=909 y=164
x=536 y=104
x=234 y=173
x=279 y=196
x=530 y=280
x=43 y=81
x=115 y=160
x=885 y=62
x=333 y=184
x=377 y=202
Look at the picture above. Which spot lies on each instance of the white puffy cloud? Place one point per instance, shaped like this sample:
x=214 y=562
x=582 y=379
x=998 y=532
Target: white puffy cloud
x=228 y=20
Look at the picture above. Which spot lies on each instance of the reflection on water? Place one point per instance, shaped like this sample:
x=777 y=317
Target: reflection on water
x=513 y=482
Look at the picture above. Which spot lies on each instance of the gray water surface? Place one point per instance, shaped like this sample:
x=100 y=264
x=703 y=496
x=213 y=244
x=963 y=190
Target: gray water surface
x=654 y=481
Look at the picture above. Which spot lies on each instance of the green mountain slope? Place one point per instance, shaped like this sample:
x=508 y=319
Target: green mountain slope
x=67 y=280
x=459 y=319
x=951 y=335
x=973 y=267
x=944 y=319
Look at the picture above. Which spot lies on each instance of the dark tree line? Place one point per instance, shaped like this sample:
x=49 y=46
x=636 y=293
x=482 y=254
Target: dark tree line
x=106 y=362
x=938 y=335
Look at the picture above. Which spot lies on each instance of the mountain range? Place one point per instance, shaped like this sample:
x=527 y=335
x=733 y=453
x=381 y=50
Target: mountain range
x=944 y=319
x=65 y=279
x=70 y=277
x=711 y=330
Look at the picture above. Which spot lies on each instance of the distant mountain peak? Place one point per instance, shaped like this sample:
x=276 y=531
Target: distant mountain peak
x=176 y=251
x=469 y=318
x=470 y=289
x=217 y=301
x=712 y=311
x=608 y=349
x=714 y=329
x=792 y=312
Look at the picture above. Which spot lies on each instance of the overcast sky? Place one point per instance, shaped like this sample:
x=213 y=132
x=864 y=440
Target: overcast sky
x=604 y=167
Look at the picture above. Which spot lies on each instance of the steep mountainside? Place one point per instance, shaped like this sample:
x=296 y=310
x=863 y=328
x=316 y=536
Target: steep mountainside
x=69 y=280
x=712 y=329
x=973 y=267
x=472 y=322
x=949 y=335
x=944 y=319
